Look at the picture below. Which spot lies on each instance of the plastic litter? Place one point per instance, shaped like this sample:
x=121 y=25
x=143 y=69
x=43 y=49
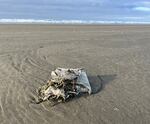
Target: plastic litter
x=65 y=83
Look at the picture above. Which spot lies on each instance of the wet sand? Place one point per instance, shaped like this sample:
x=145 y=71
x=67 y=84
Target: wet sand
x=115 y=57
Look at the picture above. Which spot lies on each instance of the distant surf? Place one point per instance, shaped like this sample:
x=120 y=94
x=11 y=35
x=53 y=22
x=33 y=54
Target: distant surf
x=50 y=21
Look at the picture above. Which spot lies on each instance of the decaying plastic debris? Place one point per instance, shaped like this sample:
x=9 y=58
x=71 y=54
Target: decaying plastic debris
x=64 y=84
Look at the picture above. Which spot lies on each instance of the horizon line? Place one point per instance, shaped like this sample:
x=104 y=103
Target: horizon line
x=52 y=21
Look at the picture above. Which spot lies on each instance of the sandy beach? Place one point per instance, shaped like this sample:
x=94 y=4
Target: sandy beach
x=119 y=55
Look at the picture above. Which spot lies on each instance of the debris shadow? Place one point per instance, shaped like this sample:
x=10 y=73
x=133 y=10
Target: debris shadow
x=99 y=82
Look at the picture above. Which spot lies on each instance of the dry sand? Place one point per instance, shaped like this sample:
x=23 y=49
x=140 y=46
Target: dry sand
x=120 y=55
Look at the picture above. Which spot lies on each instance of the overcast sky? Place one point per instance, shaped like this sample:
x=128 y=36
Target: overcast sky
x=104 y=10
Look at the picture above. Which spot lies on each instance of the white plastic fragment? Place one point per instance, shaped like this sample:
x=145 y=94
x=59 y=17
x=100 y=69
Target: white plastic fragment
x=83 y=80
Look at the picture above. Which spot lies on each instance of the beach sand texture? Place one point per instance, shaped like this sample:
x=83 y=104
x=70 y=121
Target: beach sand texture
x=119 y=55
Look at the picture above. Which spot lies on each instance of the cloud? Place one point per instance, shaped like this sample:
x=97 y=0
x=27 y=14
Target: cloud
x=140 y=8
